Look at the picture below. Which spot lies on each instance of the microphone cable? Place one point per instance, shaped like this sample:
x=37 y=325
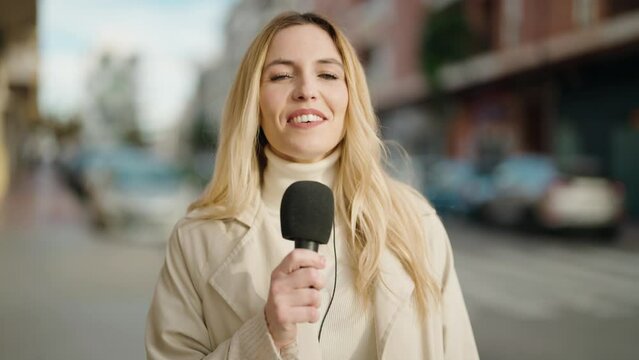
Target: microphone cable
x=319 y=335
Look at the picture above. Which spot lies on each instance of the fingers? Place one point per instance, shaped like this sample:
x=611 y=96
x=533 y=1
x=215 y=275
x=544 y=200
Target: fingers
x=294 y=315
x=294 y=295
x=301 y=258
x=299 y=297
x=299 y=279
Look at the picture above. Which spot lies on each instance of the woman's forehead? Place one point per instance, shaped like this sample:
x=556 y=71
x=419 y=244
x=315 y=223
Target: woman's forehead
x=302 y=42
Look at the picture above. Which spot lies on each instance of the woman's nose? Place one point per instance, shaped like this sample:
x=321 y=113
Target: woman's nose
x=305 y=89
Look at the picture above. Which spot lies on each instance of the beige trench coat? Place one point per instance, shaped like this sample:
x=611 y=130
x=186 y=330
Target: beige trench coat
x=209 y=300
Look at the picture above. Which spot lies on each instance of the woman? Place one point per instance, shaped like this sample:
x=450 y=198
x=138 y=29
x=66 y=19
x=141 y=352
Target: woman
x=232 y=288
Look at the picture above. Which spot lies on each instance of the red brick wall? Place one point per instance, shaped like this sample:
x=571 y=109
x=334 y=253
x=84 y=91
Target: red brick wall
x=406 y=35
x=542 y=19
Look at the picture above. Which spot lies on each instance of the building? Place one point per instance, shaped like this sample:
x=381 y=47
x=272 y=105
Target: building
x=518 y=76
x=18 y=82
x=556 y=78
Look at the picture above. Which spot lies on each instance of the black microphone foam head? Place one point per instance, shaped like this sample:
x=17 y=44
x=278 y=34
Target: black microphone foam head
x=307 y=212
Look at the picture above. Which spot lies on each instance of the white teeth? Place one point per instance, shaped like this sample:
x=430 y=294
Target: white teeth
x=306 y=118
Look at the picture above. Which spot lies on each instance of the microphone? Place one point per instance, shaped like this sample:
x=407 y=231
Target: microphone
x=306 y=214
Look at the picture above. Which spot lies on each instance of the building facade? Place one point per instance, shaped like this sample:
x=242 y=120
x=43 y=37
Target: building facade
x=18 y=83
x=557 y=78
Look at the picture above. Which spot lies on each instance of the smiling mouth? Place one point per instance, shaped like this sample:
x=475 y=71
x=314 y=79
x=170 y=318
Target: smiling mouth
x=306 y=118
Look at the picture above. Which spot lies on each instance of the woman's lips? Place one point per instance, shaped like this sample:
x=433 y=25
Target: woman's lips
x=302 y=116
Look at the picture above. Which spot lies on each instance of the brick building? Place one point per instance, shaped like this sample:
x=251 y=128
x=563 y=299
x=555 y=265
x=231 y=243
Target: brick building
x=557 y=78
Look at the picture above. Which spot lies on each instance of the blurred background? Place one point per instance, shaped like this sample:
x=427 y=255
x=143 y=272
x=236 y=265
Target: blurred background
x=521 y=119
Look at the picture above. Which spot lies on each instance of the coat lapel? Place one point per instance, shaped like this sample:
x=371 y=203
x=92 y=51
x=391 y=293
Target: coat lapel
x=242 y=279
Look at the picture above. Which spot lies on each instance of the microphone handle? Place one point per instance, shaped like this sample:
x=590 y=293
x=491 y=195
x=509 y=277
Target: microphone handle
x=306 y=244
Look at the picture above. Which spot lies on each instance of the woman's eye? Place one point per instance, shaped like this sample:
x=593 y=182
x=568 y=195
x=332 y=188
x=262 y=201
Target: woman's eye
x=277 y=77
x=328 y=76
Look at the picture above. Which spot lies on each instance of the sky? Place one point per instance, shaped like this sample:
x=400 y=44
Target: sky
x=172 y=38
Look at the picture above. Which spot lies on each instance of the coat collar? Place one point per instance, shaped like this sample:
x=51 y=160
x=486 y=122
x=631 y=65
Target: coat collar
x=243 y=281
x=247 y=217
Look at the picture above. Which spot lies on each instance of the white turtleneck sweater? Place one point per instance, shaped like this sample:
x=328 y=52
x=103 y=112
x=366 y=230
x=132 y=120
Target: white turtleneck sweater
x=348 y=331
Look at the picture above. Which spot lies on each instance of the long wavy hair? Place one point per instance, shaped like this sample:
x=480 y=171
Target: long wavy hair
x=380 y=212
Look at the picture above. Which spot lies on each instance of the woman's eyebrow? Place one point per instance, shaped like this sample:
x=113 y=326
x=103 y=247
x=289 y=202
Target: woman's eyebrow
x=331 y=61
x=281 y=61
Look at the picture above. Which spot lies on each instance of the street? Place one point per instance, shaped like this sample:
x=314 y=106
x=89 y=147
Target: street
x=69 y=292
x=66 y=291
x=544 y=297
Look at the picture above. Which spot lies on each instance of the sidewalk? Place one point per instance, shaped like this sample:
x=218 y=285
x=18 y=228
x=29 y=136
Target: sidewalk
x=66 y=291
x=38 y=198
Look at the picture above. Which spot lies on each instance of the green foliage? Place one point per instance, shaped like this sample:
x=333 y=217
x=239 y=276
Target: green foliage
x=447 y=38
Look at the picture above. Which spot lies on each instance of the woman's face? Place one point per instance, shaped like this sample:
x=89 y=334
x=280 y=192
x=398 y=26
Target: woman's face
x=303 y=94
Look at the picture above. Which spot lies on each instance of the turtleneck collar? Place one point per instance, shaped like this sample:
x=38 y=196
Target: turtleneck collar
x=280 y=173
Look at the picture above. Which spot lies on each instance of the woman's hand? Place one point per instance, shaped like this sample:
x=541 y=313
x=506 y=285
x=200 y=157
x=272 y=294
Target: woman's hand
x=294 y=294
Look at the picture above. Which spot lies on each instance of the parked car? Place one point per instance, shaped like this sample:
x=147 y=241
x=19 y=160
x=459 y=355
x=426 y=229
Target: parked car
x=445 y=185
x=529 y=190
x=130 y=189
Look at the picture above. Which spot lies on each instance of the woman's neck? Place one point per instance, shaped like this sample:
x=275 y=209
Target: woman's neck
x=279 y=174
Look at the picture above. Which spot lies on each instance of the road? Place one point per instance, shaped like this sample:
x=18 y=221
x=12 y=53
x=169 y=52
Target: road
x=69 y=292
x=66 y=291
x=544 y=297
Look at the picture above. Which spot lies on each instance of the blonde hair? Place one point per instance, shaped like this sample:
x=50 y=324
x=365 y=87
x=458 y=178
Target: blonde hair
x=380 y=212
